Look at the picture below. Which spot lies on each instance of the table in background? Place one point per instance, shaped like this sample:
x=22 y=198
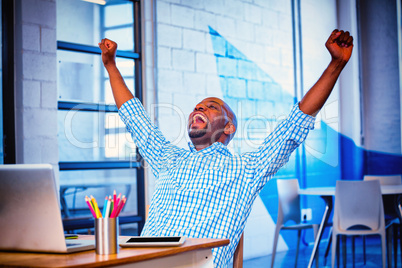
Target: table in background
x=72 y=222
x=195 y=252
x=84 y=186
x=328 y=194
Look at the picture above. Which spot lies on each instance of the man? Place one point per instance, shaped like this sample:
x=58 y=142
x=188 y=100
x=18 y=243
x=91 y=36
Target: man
x=207 y=191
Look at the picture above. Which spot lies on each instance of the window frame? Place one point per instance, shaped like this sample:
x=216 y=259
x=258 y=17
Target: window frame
x=97 y=107
x=8 y=101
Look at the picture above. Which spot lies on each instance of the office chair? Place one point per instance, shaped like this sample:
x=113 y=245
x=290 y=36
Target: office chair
x=238 y=255
x=392 y=219
x=358 y=210
x=289 y=210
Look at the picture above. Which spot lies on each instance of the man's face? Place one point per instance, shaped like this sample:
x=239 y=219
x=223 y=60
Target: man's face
x=207 y=122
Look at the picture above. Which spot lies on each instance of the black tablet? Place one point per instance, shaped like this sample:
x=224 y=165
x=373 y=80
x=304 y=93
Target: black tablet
x=154 y=241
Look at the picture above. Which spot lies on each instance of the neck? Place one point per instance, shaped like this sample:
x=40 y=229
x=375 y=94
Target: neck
x=203 y=142
x=200 y=147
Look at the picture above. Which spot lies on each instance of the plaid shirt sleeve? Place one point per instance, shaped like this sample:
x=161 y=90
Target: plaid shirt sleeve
x=149 y=139
x=277 y=148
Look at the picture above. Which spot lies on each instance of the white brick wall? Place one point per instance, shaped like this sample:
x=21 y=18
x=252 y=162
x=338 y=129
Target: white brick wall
x=182 y=16
x=169 y=36
x=194 y=40
x=183 y=60
x=36 y=86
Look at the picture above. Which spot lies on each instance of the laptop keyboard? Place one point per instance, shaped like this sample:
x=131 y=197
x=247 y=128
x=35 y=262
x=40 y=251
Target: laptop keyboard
x=72 y=244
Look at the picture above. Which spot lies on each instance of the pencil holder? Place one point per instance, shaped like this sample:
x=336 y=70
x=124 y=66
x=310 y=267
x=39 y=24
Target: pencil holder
x=107 y=236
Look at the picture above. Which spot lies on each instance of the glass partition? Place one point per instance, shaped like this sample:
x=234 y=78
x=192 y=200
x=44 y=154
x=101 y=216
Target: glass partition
x=96 y=154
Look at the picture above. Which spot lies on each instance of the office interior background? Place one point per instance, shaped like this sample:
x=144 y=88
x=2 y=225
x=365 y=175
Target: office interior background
x=260 y=56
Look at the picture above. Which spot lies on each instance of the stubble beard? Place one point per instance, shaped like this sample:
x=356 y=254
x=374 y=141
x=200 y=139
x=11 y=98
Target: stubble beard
x=197 y=133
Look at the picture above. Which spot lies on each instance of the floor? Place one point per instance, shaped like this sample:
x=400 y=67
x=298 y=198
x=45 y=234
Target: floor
x=286 y=259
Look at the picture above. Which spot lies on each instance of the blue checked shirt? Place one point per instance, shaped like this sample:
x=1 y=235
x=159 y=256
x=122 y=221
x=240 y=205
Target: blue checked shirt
x=208 y=193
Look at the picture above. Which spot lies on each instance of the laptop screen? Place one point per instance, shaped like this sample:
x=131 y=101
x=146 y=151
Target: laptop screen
x=30 y=217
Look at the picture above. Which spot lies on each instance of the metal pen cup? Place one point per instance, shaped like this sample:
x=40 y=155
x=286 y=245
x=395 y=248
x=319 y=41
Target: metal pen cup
x=107 y=236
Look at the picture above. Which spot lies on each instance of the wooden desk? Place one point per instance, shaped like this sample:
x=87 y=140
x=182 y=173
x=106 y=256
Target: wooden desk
x=327 y=194
x=195 y=252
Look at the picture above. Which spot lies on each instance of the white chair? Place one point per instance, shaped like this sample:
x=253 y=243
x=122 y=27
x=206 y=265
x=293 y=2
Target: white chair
x=289 y=210
x=358 y=210
x=392 y=219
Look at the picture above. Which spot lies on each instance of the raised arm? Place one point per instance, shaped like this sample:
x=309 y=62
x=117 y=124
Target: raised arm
x=121 y=93
x=340 y=46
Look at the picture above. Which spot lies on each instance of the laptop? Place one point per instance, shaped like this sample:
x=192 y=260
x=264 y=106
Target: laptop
x=30 y=216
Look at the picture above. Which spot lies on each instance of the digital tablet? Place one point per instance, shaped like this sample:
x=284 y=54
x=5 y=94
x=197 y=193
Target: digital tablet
x=154 y=241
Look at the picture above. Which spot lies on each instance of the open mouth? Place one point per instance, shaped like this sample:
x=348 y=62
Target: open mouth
x=199 y=118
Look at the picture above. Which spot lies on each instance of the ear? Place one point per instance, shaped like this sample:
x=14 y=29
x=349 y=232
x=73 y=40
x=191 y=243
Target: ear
x=229 y=129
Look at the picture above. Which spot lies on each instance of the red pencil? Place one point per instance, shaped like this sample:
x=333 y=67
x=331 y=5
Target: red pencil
x=116 y=209
x=114 y=197
x=117 y=201
x=121 y=206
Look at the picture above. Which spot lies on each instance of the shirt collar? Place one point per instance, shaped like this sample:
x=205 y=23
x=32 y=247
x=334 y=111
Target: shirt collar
x=216 y=147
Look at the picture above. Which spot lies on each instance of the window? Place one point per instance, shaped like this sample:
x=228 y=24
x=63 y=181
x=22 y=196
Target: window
x=96 y=155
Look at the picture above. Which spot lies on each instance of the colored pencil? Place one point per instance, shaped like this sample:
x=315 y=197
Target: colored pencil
x=121 y=206
x=109 y=201
x=117 y=210
x=96 y=208
x=117 y=201
x=111 y=207
x=105 y=207
x=87 y=200
x=114 y=197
